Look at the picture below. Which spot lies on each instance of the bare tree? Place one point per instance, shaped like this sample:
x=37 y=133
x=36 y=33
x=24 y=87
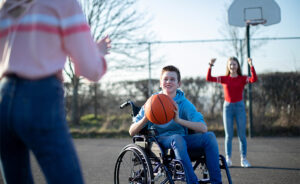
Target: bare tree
x=238 y=45
x=126 y=27
x=194 y=89
x=120 y=20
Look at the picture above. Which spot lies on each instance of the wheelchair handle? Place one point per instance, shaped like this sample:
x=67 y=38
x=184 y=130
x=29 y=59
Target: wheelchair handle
x=125 y=104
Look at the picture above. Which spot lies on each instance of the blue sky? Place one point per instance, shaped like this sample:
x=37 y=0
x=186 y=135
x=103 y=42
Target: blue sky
x=201 y=20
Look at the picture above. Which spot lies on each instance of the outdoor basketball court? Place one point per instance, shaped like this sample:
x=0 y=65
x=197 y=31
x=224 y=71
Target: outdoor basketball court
x=275 y=160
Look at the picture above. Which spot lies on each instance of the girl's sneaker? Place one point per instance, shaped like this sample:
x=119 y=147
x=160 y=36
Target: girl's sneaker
x=245 y=163
x=229 y=162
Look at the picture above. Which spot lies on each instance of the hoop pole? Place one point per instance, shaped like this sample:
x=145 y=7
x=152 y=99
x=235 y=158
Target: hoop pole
x=249 y=85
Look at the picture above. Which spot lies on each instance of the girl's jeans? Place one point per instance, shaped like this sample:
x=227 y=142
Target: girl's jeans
x=182 y=145
x=32 y=118
x=235 y=111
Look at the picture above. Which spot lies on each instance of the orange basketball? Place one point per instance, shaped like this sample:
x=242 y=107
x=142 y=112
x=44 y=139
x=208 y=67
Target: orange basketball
x=159 y=109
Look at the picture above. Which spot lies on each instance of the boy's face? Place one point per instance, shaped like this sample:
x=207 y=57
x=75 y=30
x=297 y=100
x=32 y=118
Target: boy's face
x=169 y=82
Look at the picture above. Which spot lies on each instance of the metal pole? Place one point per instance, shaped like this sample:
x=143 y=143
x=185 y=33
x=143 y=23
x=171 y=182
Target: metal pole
x=249 y=85
x=149 y=70
x=241 y=54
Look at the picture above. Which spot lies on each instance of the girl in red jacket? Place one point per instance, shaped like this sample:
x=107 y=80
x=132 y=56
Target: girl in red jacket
x=234 y=108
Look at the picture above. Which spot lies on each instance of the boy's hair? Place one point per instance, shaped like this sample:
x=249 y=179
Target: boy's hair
x=239 y=72
x=171 y=68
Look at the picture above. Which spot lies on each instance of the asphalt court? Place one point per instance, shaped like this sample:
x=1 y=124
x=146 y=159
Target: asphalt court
x=274 y=160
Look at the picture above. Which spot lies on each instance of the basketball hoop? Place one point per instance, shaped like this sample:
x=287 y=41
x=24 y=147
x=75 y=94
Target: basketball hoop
x=243 y=13
x=256 y=22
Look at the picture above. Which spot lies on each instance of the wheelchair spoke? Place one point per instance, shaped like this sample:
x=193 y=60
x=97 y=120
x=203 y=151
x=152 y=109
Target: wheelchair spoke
x=130 y=168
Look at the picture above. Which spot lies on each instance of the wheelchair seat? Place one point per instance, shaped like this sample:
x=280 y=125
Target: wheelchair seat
x=145 y=161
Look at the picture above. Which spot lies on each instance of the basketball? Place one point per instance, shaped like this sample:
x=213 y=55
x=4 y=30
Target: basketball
x=159 y=109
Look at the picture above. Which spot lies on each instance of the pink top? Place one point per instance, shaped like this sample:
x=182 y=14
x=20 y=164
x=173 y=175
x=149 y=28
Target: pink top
x=45 y=35
x=233 y=86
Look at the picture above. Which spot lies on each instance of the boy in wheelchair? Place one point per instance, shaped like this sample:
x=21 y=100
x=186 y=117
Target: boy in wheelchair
x=174 y=135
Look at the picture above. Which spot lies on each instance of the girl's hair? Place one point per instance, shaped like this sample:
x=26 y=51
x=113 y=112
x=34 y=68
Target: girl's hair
x=171 y=68
x=238 y=69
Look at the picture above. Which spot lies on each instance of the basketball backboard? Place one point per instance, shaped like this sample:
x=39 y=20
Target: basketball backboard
x=241 y=12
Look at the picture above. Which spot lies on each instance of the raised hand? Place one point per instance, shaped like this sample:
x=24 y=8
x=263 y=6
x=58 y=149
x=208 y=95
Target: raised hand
x=104 y=45
x=212 y=61
x=250 y=62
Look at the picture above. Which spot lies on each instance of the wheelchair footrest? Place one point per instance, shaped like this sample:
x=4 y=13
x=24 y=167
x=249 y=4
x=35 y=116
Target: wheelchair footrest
x=204 y=181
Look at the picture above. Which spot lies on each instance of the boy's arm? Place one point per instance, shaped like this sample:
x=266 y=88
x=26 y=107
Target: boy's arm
x=139 y=122
x=138 y=126
x=197 y=124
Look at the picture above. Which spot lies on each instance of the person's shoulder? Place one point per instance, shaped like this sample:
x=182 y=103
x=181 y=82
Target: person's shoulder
x=186 y=104
x=58 y=2
x=62 y=6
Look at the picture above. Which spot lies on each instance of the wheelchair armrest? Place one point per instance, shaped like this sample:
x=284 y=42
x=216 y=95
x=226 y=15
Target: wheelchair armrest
x=140 y=141
x=144 y=131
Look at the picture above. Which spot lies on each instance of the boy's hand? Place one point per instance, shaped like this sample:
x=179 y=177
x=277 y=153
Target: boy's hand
x=145 y=119
x=176 y=117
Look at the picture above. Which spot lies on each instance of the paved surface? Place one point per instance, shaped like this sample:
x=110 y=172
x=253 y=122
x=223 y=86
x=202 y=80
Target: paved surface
x=274 y=160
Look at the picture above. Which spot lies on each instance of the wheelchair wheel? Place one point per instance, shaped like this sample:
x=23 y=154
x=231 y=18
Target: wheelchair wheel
x=133 y=166
x=171 y=173
x=160 y=176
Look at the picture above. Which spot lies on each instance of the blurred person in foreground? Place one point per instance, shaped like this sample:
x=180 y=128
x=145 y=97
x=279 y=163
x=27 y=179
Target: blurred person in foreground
x=36 y=36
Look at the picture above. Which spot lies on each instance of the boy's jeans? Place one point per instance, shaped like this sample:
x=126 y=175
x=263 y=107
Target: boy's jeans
x=32 y=117
x=237 y=111
x=193 y=143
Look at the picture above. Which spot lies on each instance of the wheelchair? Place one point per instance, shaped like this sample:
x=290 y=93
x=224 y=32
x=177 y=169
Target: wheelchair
x=144 y=161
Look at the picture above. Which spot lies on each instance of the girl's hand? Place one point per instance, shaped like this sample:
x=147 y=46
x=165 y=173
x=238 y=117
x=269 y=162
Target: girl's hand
x=250 y=62
x=104 y=45
x=212 y=62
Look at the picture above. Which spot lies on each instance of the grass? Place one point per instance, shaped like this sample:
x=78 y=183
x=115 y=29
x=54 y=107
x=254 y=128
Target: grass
x=116 y=126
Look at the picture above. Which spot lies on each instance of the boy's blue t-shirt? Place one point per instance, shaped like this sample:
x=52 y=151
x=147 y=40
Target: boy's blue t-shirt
x=187 y=111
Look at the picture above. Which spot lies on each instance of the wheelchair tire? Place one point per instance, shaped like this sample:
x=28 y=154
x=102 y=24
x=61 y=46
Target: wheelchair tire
x=133 y=166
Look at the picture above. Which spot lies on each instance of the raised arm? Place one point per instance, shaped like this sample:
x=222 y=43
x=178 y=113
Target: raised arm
x=85 y=53
x=253 y=77
x=208 y=75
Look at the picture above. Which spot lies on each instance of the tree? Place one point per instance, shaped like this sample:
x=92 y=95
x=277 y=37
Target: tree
x=237 y=35
x=194 y=89
x=124 y=24
x=216 y=98
x=136 y=90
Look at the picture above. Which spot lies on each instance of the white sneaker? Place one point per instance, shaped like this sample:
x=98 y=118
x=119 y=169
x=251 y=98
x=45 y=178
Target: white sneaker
x=245 y=163
x=229 y=162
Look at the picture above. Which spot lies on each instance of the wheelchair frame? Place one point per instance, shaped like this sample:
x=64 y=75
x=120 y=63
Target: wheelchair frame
x=150 y=164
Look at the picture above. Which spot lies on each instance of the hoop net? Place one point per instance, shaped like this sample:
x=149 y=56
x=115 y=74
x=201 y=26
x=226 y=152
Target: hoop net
x=255 y=22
